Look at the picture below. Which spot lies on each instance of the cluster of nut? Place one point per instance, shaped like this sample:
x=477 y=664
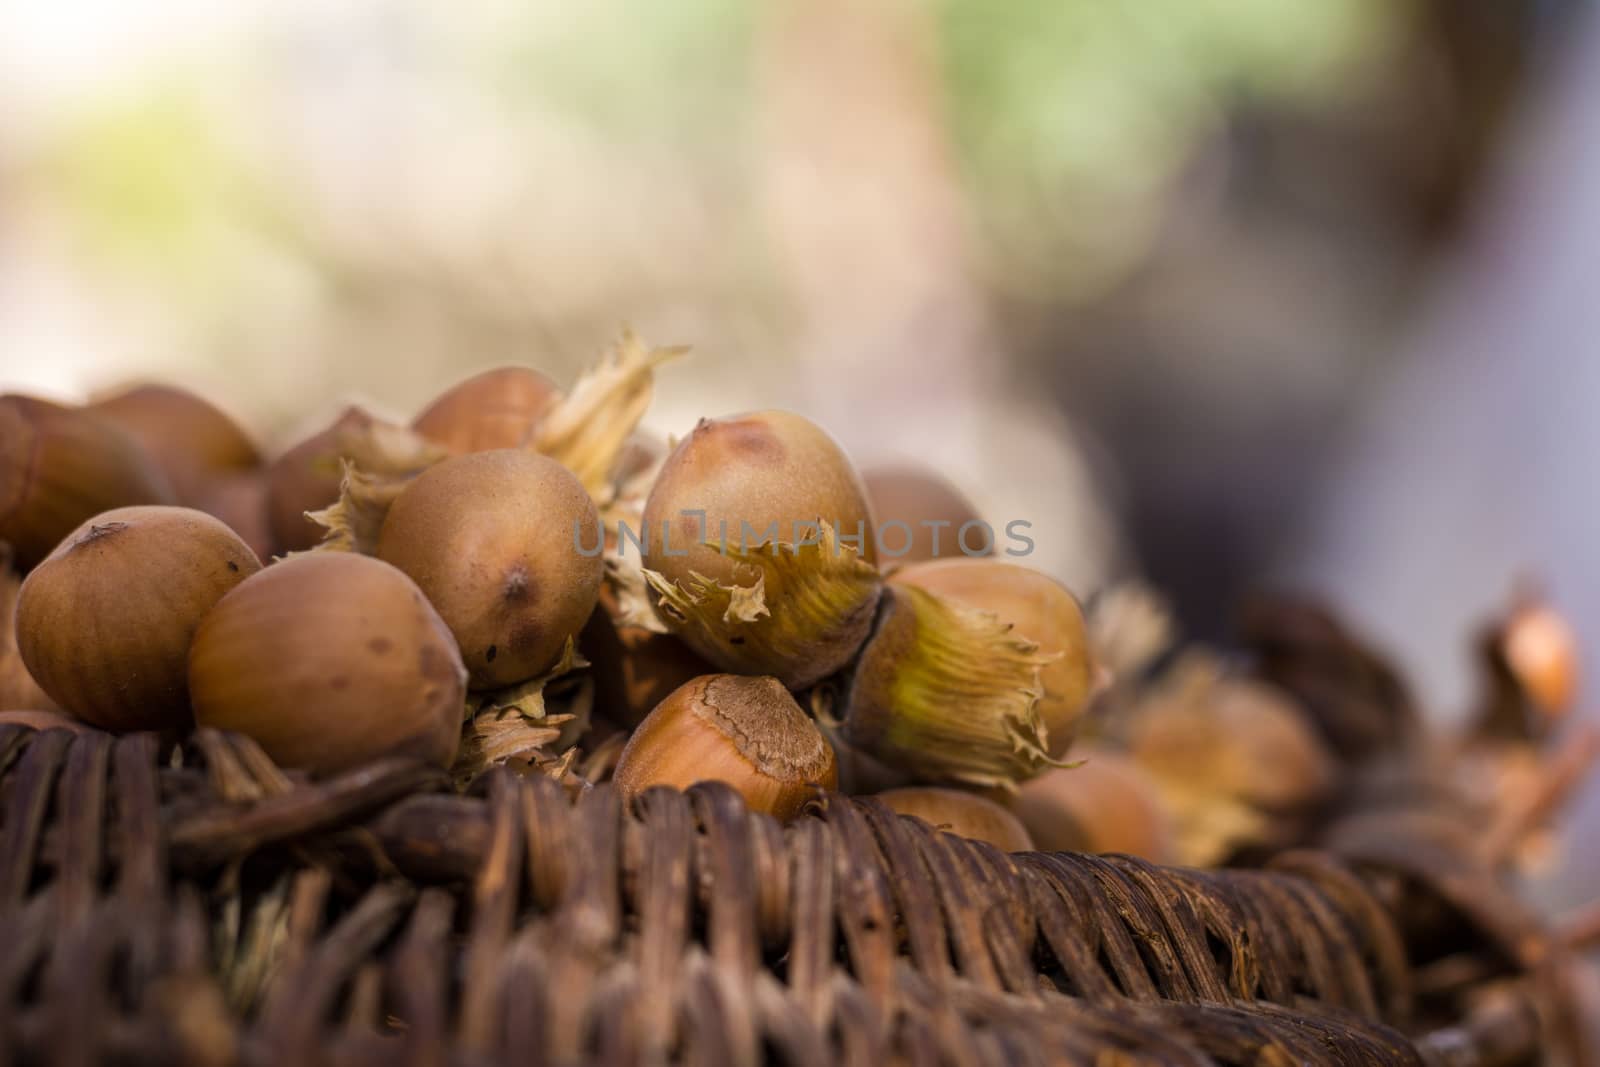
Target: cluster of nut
x=428 y=572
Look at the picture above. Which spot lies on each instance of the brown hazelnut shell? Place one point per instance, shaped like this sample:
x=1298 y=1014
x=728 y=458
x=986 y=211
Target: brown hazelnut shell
x=639 y=453
x=945 y=694
x=1541 y=650
x=60 y=466
x=329 y=660
x=493 y=540
x=104 y=623
x=18 y=691
x=239 y=499
x=191 y=438
x=306 y=478
x=744 y=731
x=964 y=814
x=762 y=468
x=914 y=495
x=767 y=479
x=498 y=408
x=1105 y=803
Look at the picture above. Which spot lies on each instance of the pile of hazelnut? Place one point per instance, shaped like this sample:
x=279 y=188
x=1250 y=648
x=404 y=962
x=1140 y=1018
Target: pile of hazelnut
x=521 y=576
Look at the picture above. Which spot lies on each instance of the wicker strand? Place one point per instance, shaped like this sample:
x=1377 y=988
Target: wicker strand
x=212 y=910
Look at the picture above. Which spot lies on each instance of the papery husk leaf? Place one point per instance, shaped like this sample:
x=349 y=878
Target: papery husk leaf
x=586 y=429
x=1236 y=760
x=629 y=493
x=560 y=768
x=1209 y=829
x=388 y=449
x=626 y=577
x=804 y=611
x=494 y=738
x=948 y=694
x=355 y=520
x=516 y=723
x=624 y=570
x=379 y=459
x=1212 y=733
x=1130 y=625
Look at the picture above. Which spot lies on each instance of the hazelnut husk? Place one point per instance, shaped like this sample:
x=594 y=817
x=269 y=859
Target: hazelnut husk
x=498 y=408
x=104 y=623
x=922 y=499
x=497 y=541
x=530 y=726
x=60 y=466
x=778 y=579
x=589 y=429
x=378 y=460
x=964 y=814
x=1037 y=609
x=1104 y=802
x=747 y=732
x=1130 y=627
x=192 y=439
x=582 y=431
x=306 y=478
x=946 y=694
x=330 y=660
x=1237 y=762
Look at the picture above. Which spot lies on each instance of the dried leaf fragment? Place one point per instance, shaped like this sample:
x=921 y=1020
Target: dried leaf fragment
x=587 y=429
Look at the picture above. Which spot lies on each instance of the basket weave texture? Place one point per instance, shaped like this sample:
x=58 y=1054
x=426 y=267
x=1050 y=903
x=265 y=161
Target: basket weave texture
x=197 y=905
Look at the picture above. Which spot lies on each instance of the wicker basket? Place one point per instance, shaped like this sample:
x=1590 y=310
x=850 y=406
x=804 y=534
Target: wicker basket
x=197 y=905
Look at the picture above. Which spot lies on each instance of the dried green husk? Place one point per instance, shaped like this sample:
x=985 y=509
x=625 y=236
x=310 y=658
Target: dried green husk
x=803 y=613
x=947 y=694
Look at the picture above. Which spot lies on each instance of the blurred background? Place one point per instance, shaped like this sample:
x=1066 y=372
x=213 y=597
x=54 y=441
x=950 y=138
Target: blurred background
x=1219 y=292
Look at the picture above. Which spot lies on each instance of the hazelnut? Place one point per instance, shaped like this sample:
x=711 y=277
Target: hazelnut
x=496 y=541
x=945 y=694
x=104 y=623
x=239 y=499
x=1541 y=651
x=18 y=690
x=498 y=408
x=306 y=478
x=1105 y=803
x=765 y=483
x=932 y=510
x=329 y=660
x=1235 y=759
x=1038 y=609
x=634 y=669
x=60 y=466
x=190 y=438
x=963 y=814
x=747 y=732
